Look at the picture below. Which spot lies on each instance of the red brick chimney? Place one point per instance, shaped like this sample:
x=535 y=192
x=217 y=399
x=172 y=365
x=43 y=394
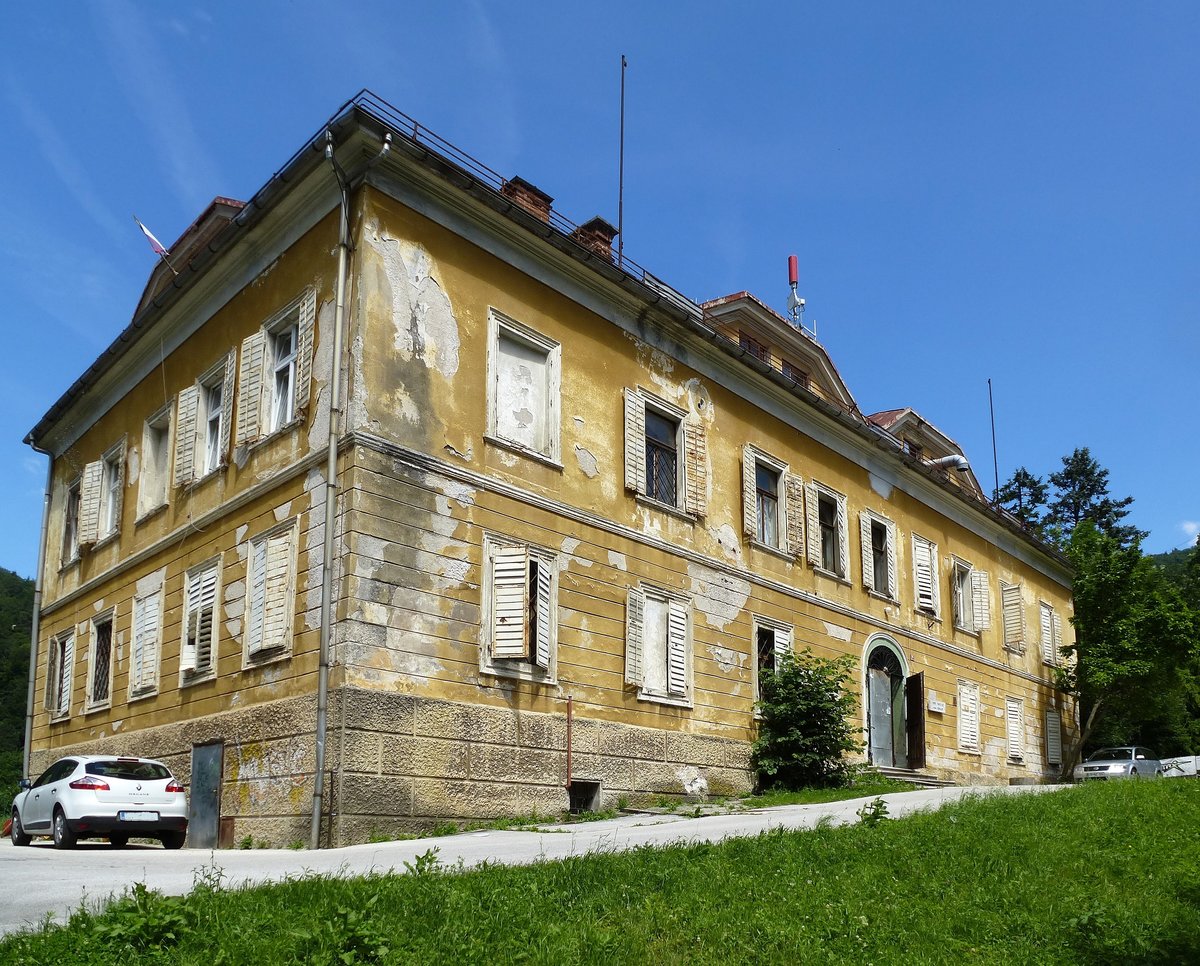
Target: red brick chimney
x=529 y=197
x=597 y=235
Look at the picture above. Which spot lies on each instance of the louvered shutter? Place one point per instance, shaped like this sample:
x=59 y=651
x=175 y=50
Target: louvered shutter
x=277 y=598
x=50 y=702
x=304 y=347
x=968 y=716
x=66 y=673
x=543 y=603
x=227 y=407
x=145 y=641
x=868 y=553
x=843 y=525
x=1014 y=616
x=90 y=488
x=749 y=493
x=1053 y=737
x=981 y=601
x=635 y=442
x=206 y=624
x=250 y=383
x=510 y=581
x=813 y=520
x=118 y=491
x=794 y=489
x=187 y=411
x=1048 y=652
x=635 y=609
x=1015 y=713
x=256 y=602
x=695 y=443
x=1058 y=642
x=677 y=648
x=893 y=586
x=923 y=573
x=783 y=643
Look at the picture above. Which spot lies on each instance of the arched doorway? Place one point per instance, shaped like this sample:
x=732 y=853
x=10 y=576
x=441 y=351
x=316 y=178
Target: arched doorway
x=894 y=706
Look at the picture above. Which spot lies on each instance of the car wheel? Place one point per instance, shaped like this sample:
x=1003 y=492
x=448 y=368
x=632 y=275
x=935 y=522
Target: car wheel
x=118 y=841
x=64 y=838
x=172 y=840
x=17 y=832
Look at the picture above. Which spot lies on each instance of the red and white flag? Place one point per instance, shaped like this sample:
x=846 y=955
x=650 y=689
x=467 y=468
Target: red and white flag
x=159 y=248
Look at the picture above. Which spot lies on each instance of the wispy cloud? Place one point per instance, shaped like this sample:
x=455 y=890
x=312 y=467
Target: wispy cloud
x=1190 y=529
x=148 y=79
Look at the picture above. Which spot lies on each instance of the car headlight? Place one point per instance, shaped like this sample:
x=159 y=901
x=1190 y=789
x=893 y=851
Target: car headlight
x=1118 y=769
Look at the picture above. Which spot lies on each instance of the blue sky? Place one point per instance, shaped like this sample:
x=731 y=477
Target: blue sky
x=1006 y=190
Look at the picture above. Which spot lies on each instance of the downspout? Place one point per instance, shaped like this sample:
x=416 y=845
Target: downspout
x=36 y=624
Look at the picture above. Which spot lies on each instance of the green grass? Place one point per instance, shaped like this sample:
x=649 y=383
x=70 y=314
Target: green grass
x=1106 y=873
x=864 y=786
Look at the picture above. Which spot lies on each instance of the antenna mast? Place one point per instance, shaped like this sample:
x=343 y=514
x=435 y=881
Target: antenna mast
x=621 y=176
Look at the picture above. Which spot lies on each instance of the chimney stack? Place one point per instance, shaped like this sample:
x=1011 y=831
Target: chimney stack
x=597 y=235
x=529 y=197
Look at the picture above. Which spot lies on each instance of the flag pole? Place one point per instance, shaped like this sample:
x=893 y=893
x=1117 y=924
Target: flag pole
x=159 y=248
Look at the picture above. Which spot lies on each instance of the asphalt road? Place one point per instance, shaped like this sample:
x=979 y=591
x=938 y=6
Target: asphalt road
x=39 y=881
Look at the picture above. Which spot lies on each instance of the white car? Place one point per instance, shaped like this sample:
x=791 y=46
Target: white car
x=101 y=796
x=1129 y=761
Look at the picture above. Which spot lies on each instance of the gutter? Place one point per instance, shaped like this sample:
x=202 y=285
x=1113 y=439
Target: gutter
x=36 y=623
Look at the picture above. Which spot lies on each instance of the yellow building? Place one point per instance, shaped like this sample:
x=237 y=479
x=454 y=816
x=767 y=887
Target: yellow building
x=406 y=500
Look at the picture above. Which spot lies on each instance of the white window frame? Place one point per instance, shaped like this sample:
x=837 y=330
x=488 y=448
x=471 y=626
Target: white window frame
x=112 y=486
x=1012 y=617
x=282 y=404
x=789 y=504
x=259 y=416
x=500 y=326
x=784 y=641
x=867 y=521
x=691 y=454
x=927 y=597
x=90 y=702
x=677 y=646
x=145 y=645
x=538 y=660
x=154 y=482
x=60 y=674
x=192 y=669
x=202 y=431
x=1051 y=634
x=971 y=597
x=814 y=492
x=270 y=596
x=1014 y=729
x=72 y=506
x=970 y=717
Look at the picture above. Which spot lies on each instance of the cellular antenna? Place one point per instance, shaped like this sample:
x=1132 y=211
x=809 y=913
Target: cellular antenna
x=795 y=302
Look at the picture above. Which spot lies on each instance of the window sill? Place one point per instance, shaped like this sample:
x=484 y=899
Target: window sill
x=294 y=423
x=832 y=575
x=73 y=562
x=140 y=695
x=667 y=699
x=774 y=551
x=154 y=511
x=93 y=708
x=974 y=752
x=886 y=598
x=189 y=678
x=674 y=511
x=60 y=718
x=105 y=540
x=927 y=614
x=514 y=447
x=1019 y=651
x=520 y=670
x=275 y=655
x=968 y=630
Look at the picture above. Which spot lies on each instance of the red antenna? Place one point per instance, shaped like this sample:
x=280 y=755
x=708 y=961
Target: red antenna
x=793 y=270
x=795 y=302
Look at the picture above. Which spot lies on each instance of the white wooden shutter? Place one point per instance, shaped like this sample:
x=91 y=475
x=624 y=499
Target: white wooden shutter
x=981 y=601
x=118 y=491
x=968 y=716
x=868 y=555
x=677 y=621
x=1058 y=642
x=90 y=488
x=1014 y=616
x=893 y=586
x=1053 y=737
x=250 y=386
x=510 y=582
x=749 y=493
x=544 y=604
x=1047 y=616
x=635 y=442
x=227 y=407
x=783 y=643
x=794 y=490
x=52 y=671
x=187 y=411
x=304 y=347
x=695 y=444
x=923 y=574
x=145 y=641
x=256 y=597
x=1015 y=714
x=843 y=526
x=201 y=599
x=277 y=597
x=635 y=609
x=813 y=520
x=66 y=674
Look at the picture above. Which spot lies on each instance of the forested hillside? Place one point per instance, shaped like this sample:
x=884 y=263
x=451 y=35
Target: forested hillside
x=16 y=610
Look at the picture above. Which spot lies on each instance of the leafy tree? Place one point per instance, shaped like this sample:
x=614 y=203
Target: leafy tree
x=1081 y=493
x=1024 y=496
x=16 y=610
x=805 y=732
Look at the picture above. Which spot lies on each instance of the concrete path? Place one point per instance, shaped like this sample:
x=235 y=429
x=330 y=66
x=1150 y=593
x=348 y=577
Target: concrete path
x=39 y=881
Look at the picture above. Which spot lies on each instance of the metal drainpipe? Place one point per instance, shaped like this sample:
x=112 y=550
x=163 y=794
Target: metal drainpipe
x=331 y=491
x=35 y=631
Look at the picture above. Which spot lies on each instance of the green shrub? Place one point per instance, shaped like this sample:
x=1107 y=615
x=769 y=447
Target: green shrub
x=805 y=733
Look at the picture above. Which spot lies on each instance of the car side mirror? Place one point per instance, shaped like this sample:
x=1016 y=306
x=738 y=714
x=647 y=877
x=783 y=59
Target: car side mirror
x=25 y=784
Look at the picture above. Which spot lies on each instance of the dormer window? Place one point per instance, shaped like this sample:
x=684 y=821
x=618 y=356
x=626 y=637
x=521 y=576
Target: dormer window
x=754 y=347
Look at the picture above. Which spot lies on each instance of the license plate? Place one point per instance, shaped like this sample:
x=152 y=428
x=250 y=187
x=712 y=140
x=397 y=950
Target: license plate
x=138 y=816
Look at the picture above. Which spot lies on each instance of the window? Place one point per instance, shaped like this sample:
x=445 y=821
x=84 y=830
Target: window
x=795 y=373
x=70 y=543
x=655 y=433
x=925 y=575
x=100 y=488
x=972 y=599
x=523 y=388
x=1013 y=613
x=658 y=646
x=878 y=538
x=1014 y=713
x=156 y=457
x=1053 y=737
x=772 y=503
x=521 y=611
x=1051 y=634
x=754 y=347
x=99 y=688
x=143 y=662
x=772 y=640
x=828 y=540
x=968 y=716
x=271 y=580
x=204 y=415
x=61 y=662
x=197 y=658
x=276 y=372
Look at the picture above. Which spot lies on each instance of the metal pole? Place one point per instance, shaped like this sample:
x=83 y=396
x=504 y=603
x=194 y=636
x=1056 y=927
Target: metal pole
x=995 y=463
x=621 y=176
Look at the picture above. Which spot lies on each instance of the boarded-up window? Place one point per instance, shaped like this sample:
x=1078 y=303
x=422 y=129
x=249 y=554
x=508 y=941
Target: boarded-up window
x=522 y=611
x=1014 y=713
x=143 y=667
x=197 y=650
x=658 y=645
x=155 y=462
x=271 y=593
x=1013 y=615
x=523 y=387
x=925 y=575
x=968 y=716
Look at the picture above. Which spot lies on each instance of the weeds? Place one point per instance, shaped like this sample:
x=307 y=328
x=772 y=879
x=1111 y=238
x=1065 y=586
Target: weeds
x=873 y=814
